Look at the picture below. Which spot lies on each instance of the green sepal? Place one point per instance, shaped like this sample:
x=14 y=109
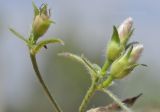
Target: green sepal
x=42 y=30
x=36 y=10
x=115 y=35
x=114 y=48
x=128 y=53
x=128 y=70
x=48 y=22
x=43 y=9
x=135 y=65
x=131 y=44
x=36 y=48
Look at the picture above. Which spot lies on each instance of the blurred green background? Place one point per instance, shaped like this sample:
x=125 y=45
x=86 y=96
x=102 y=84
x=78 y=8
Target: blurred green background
x=85 y=26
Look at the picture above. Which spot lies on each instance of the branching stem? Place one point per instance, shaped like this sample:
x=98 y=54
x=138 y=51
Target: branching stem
x=88 y=96
x=105 y=67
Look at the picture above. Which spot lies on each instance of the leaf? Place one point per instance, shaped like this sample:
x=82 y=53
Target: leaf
x=83 y=60
x=18 y=35
x=113 y=107
x=35 y=49
x=72 y=56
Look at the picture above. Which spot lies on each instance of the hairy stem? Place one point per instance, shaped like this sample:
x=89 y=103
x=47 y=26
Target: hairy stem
x=117 y=100
x=105 y=67
x=106 y=83
x=41 y=81
x=88 y=96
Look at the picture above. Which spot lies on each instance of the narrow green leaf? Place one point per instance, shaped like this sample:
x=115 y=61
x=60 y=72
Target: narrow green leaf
x=36 y=10
x=82 y=60
x=42 y=43
x=72 y=56
x=18 y=35
x=115 y=35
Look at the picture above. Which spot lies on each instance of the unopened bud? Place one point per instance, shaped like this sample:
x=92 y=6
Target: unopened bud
x=136 y=53
x=125 y=30
x=114 y=47
x=41 y=22
x=127 y=62
x=118 y=67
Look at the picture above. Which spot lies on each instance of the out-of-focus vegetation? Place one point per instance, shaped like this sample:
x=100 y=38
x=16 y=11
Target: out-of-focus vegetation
x=85 y=26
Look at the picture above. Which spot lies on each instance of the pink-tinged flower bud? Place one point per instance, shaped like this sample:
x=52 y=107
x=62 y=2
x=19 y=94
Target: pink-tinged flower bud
x=41 y=22
x=118 y=68
x=127 y=62
x=125 y=30
x=136 y=53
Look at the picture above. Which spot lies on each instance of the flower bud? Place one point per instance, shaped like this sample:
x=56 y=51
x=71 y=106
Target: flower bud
x=114 y=47
x=136 y=53
x=41 y=22
x=125 y=30
x=127 y=62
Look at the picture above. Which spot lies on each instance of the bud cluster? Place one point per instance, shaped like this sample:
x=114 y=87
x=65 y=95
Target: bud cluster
x=124 y=61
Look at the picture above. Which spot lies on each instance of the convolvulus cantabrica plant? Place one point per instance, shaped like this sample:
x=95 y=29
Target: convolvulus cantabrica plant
x=40 y=25
x=121 y=58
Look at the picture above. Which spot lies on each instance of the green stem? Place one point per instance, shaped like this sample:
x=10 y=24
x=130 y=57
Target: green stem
x=88 y=96
x=40 y=79
x=106 y=83
x=117 y=100
x=105 y=67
